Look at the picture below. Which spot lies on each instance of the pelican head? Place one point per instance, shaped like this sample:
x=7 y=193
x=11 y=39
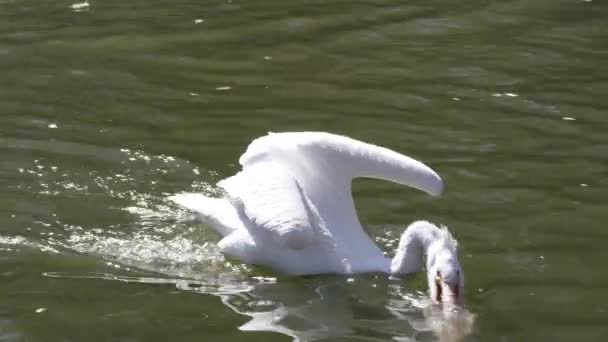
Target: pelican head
x=444 y=274
x=445 y=277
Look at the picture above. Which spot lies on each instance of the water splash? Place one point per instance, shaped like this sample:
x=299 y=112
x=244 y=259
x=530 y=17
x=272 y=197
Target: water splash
x=16 y=243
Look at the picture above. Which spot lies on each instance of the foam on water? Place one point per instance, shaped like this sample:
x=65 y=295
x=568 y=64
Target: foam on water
x=141 y=228
x=16 y=243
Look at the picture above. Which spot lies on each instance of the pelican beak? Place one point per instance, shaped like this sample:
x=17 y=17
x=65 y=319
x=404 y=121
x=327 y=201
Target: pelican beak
x=446 y=293
x=438 y=288
x=450 y=294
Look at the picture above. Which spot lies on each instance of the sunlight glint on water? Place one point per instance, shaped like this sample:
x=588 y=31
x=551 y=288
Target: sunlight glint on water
x=108 y=107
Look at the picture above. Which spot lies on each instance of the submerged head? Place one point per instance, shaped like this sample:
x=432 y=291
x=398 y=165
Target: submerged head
x=422 y=240
x=445 y=276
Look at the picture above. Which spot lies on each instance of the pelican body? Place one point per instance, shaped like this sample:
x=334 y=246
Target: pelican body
x=291 y=208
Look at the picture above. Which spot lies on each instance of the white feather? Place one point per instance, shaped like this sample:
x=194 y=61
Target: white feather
x=273 y=202
x=218 y=212
x=292 y=207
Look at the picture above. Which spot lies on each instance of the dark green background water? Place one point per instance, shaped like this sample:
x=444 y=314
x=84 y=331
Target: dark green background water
x=105 y=109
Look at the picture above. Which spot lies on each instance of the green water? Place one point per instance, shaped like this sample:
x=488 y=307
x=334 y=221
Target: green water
x=108 y=108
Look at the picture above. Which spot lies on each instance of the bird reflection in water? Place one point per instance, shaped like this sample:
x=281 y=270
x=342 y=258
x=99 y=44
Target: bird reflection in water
x=448 y=323
x=312 y=308
x=321 y=307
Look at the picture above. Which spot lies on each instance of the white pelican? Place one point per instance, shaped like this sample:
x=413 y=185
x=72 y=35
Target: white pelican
x=291 y=208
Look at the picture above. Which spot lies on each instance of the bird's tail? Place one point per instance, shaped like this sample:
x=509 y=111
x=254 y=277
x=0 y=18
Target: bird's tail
x=219 y=213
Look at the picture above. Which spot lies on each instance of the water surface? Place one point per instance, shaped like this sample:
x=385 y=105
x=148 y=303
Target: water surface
x=109 y=106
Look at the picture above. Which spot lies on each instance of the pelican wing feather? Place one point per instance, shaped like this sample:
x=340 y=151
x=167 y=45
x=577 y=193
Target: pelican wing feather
x=291 y=205
x=273 y=203
x=296 y=187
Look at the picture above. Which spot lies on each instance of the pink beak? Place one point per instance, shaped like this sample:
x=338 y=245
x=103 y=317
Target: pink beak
x=451 y=294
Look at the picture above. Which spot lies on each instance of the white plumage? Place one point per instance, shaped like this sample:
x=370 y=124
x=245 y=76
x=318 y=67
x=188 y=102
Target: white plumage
x=291 y=207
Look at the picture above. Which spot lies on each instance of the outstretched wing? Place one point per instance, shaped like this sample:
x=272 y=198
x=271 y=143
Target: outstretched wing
x=312 y=156
x=295 y=186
